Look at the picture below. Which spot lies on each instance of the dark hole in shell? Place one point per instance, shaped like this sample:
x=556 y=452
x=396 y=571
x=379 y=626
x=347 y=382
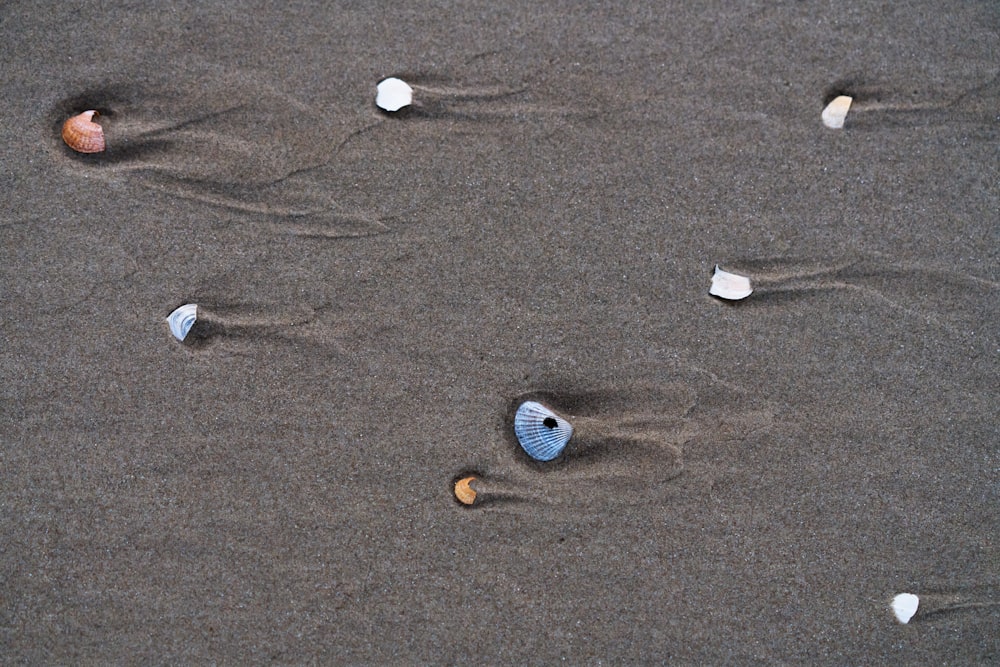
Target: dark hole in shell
x=550 y=422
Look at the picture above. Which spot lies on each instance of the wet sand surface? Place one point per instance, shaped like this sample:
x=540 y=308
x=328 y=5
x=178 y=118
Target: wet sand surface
x=747 y=482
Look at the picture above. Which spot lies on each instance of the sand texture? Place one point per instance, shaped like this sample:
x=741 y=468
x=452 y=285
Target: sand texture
x=748 y=482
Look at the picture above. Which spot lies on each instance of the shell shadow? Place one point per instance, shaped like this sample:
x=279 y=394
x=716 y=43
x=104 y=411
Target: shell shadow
x=492 y=491
x=242 y=328
x=940 y=604
x=610 y=439
x=203 y=333
x=631 y=438
x=610 y=460
x=876 y=104
x=954 y=301
x=240 y=147
x=434 y=98
x=439 y=98
x=109 y=102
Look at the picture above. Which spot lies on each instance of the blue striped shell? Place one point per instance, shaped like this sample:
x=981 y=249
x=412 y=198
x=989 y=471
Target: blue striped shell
x=542 y=433
x=182 y=319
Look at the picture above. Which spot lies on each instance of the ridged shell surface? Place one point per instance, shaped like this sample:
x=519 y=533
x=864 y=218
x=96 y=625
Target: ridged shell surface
x=182 y=319
x=542 y=433
x=82 y=134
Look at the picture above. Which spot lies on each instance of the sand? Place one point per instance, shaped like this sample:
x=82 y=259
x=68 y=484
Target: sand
x=748 y=482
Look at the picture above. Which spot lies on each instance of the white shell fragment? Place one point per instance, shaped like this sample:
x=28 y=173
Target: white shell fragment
x=836 y=111
x=182 y=319
x=905 y=606
x=730 y=286
x=393 y=94
x=542 y=433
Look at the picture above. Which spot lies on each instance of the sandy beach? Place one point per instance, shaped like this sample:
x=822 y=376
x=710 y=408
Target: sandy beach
x=748 y=482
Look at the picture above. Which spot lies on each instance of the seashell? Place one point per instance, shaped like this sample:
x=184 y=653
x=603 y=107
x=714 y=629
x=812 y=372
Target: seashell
x=542 y=433
x=729 y=286
x=182 y=319
x=836 y=112
x=464 y=491
x=82 y=134
x=393 y=94
x=905 y=606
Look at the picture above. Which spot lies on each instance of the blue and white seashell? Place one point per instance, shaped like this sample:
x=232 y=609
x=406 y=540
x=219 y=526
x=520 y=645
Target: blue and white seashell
x=182 y=319
x=542 y=433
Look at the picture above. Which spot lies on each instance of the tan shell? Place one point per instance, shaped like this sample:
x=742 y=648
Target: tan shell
x=464 y=492
x=82 y=134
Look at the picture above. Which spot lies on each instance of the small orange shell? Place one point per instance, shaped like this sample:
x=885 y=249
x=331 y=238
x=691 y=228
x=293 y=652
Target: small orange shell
x=464 y=492
x=82 y=134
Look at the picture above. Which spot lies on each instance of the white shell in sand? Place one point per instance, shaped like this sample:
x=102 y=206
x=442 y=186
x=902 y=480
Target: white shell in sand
x=393 y=94
x=182 y=319
x=836 y=111
x=905 y=606
x=729 y=286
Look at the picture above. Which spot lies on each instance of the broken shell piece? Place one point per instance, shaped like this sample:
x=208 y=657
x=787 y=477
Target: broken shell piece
x=464 y=491
x=542 y=433
x=82 y=134
x=905 y=606
x=836 y=111
x=182 y=319
x=730 y=286
x=393 y=94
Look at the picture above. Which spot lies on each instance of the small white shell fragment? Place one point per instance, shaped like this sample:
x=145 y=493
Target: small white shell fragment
x=836 y=111
x=730 y=286
x=182 y=319
x=904 y=606
x=393 y=94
